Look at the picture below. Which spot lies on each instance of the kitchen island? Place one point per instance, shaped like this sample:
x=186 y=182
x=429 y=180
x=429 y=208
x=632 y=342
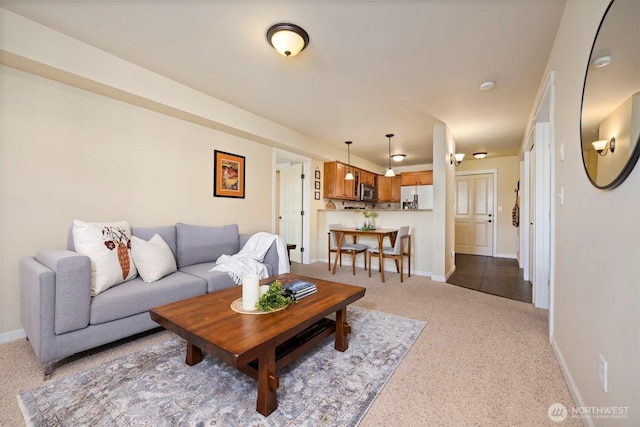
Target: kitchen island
x=420 y=221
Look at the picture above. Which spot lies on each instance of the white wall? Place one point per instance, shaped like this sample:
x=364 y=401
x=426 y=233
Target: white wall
x=597 y=243
x=68 y=153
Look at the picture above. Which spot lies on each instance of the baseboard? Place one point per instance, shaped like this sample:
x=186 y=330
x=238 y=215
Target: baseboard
x=12 y=335
x=573 y=388
x=510 y=256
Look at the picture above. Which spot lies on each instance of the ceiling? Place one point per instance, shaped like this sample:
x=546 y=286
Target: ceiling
x=371 y=68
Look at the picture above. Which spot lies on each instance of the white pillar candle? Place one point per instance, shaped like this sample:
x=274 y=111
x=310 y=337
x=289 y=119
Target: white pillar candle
x=250 y=291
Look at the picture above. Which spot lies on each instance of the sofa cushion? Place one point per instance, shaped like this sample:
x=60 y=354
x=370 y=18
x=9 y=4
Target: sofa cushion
x=216 y=280
x=108 y=247
x=136 y=296
x=197 y=244
x=153 y=258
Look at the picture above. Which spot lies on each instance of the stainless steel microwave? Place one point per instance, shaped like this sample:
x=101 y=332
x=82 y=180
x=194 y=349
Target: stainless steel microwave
x=367 y=193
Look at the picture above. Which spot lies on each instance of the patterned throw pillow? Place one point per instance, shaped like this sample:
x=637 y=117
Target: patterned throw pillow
x=108 y=245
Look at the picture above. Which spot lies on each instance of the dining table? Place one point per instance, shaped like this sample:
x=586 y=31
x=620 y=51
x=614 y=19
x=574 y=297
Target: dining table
x=379 y=233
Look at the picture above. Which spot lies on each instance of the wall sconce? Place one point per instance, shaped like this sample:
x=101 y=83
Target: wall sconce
x=398 y=157
x=480 y=155
x=288 y=39
x=349 y=175
x=605 y=146
x=456 y=159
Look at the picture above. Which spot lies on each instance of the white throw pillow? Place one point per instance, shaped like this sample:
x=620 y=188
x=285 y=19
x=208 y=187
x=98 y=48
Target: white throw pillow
x=108 y=245
x=154 y=259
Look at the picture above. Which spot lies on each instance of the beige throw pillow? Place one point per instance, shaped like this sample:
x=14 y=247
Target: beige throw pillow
x=154 y=258
x=108 y=246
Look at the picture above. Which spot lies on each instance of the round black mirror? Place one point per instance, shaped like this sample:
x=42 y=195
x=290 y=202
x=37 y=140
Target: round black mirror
x=610 y=120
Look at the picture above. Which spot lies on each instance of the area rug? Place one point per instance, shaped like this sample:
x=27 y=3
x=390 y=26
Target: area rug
x=154 y=387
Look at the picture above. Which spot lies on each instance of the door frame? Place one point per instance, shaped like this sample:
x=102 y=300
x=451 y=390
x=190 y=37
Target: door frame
x=306 y=199
x=544 y=231
x=493 y=172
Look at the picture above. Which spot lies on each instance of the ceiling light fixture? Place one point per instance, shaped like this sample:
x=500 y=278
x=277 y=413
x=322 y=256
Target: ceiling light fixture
x=398 y=157
x=488 y=85
x=601 y=61
x=480 y=155
x=456 y=159
x=605 y=146
x=288 y=39
x=349 y=175
x=389 y=171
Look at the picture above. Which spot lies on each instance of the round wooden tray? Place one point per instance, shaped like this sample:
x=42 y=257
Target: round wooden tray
x=237 y=307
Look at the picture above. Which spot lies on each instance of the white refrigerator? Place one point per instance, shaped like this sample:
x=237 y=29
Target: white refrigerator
x=423 y=194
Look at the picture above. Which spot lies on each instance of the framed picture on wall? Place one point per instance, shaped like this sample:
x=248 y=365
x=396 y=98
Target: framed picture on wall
x=228 y=175
x=317 y=185
x=317 y=195
x=317 y=173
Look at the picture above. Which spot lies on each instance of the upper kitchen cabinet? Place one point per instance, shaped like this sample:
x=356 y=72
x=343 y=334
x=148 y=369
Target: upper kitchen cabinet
x=417 y=178
x=367 y=177
x=389 y=188
x=335 y=186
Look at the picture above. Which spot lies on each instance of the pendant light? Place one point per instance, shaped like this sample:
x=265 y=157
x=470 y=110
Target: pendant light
x=349 y=175
x=389 y=171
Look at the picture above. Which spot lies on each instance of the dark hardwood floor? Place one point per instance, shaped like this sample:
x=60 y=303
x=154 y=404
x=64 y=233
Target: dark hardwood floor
x=496 y=276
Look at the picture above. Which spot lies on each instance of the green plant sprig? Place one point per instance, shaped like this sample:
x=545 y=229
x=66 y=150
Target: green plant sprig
x=273 y=298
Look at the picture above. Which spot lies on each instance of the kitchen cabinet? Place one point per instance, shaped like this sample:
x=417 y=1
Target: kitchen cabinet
x=389 y=188
x=417 y=178
x=335 y=186
x=396 y=185
x=367 y=177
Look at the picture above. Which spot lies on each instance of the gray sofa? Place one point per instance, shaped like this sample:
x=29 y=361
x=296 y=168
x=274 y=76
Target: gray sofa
x=61 y=318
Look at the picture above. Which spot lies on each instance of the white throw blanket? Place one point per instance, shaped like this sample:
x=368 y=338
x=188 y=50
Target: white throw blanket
x=249 y=259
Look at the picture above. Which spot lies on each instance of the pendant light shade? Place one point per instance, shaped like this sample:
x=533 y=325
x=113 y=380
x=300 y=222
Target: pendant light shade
x=288 y=39
x=349 y=175
x=389 y=171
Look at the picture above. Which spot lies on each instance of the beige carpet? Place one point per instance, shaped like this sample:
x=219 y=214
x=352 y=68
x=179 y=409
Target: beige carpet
x=481 y=360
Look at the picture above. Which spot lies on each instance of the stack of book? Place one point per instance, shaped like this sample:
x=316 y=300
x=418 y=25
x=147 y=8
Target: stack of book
x=298 y=289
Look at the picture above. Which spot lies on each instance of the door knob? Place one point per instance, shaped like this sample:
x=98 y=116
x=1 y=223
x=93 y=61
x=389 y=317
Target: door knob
x=489 y=220
x=490 y=215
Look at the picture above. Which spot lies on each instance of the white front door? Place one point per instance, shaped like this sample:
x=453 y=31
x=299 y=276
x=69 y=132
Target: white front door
x=290 y=205
x=474 y=214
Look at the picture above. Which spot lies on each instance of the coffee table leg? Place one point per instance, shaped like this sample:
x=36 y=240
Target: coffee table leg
x=268 y=383
x=343 y=329
x=194 y=354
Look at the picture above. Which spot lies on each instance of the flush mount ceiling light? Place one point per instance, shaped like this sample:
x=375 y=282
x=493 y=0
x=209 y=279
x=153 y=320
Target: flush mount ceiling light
x=389 y=171
x=288 y=39
x=601 y=61
x=349 y=175
x=398 y=157
x=488 y=85
x=480 y=155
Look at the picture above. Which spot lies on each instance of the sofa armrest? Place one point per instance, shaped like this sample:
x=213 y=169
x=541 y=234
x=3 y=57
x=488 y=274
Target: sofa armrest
x=72 y=294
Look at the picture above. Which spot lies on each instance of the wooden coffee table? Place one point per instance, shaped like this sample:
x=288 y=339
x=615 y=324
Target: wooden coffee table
x=260 y=344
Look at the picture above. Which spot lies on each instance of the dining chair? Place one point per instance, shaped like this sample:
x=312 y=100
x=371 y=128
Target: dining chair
x=401 y=249
x=350 y=248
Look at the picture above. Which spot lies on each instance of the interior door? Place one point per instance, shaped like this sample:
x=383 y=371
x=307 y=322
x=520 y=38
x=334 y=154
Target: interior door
x=474 y=214
x=532 y=217
x=290 y=204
